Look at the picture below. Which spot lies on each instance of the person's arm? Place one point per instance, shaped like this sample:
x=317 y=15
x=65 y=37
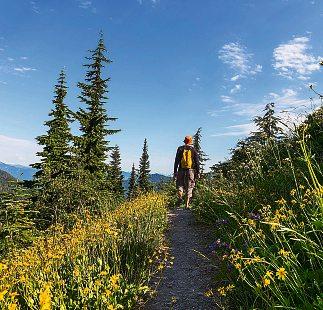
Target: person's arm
x=177 y=161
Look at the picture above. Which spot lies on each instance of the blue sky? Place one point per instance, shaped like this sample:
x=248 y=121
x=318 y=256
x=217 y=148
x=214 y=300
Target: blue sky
x=177 y=66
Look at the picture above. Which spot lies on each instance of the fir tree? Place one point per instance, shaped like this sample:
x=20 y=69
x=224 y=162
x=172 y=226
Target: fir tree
x=267 y=125
x=197 y=145
x=116 y=172
x=132 y=191
x=143 y=177
x=55 y=156
x=92 y=146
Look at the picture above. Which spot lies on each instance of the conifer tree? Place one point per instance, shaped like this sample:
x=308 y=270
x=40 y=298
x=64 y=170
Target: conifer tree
x=55 y=156
x=267 y=125
x=132 y=191
x=197 y=145
x=92 y=146
x=144 y=165
x=116 y=172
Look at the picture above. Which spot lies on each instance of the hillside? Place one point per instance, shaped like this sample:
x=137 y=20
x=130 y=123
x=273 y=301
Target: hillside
x=5 y=178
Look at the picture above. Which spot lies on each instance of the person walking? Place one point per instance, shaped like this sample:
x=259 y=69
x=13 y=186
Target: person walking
x=186 y=170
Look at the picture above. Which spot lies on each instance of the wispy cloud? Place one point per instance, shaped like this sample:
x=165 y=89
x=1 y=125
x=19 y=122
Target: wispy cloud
x=293 y=59
x=17 y=151
x=226 y=99
x=237 y=130
x=24 y=69
x=34 y=7
x=237 y=57
x=86 y=5
x=151 y=1
x=235 y=89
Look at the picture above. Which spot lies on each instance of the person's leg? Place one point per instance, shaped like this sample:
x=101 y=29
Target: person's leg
x=190 y=187
x=180 y=188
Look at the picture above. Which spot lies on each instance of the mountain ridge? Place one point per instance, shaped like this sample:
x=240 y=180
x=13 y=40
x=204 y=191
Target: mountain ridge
x=26 y=173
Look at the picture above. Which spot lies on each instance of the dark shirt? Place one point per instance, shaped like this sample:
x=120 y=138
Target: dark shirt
x=179 y=155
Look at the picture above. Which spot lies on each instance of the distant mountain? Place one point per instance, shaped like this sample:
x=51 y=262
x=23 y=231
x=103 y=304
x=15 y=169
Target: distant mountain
x=27 y=173
x=18 y=171
x=154 y=178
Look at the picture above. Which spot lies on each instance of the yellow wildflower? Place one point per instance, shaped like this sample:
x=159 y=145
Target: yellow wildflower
x=112 y=307
x=251 y=251
x=252 y=223
x=108 y=293
x=281 y=273
x=221 y=291
x=13 y=306
x=237 y=265
x=103 y=273
x=208 y=293
x=269 y=274
x=45 y=298
x=281 y=201
x=76 y=272
x=2 y=294
x=265 y=281
x=284 y=253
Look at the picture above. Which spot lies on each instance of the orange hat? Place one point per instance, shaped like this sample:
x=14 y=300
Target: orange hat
x=188 y=140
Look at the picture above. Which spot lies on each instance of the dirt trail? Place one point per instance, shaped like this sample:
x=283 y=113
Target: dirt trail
x=182 y=286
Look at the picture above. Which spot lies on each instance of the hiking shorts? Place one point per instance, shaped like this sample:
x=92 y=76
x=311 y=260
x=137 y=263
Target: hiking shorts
x=185 y=181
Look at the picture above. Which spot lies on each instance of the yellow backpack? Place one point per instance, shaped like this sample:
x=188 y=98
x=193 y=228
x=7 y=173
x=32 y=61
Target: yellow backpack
x=187 y=161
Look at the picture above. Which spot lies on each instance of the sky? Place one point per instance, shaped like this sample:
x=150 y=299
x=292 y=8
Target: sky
x=177 y=66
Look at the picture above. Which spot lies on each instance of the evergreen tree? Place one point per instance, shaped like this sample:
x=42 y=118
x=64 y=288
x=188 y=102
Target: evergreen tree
x=132 y=191
x=143 y=177
x=116 y=172
x=267 y=125
x=92 y=147
x=197 y=145
x=55 y=156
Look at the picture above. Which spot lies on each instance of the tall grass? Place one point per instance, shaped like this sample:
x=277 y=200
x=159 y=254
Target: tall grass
x=102 y=263
x=268 y=218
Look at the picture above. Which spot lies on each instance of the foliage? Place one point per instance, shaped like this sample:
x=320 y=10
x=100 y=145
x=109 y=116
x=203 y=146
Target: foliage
x=56 y=153
x=102 y=263
x=266 y=205
x=92 y=147
x=115 y=173
x=197 y=145
x=144 y=184
x=133 y=186
x=16 y=218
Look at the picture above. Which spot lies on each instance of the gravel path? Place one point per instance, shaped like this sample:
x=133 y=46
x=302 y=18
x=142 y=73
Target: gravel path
x=183 y=285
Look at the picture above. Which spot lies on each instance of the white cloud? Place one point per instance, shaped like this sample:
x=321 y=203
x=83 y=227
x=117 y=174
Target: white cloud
x=23 y=57
x=17 y=151
x=293 y=59
x=3 y=83
x=235 y=89
x=239 y=60
x=84 y=4
x=151 y=1
x=10 y=59
x=235 y=78
x=1 y=49
x=34 y=7
x=24 y=69
x=237 y=130
x=226 y=99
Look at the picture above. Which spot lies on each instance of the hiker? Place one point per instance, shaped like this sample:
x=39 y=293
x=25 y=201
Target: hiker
x=186 y=170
